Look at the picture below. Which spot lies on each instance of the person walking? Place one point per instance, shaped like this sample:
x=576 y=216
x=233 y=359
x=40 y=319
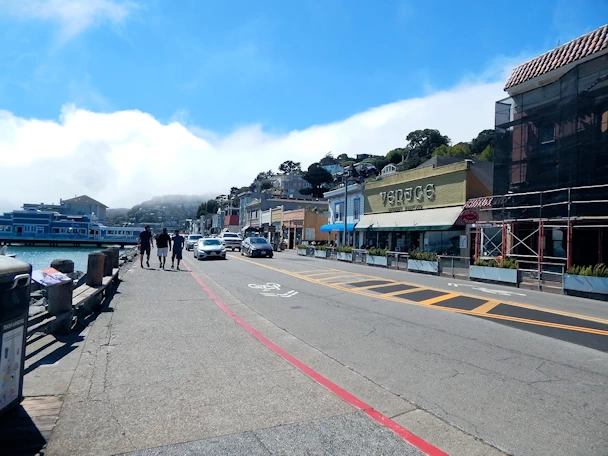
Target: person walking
x=178 y=247
x=163 y=245
x=144 y=244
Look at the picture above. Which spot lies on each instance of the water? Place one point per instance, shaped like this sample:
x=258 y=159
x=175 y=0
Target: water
x=41 y=257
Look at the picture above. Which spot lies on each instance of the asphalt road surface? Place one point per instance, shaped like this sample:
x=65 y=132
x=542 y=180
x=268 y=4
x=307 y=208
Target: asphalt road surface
x=511 y=370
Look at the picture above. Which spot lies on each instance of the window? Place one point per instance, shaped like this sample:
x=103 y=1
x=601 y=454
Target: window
x=339 y=212
x=55 y=230
x=546 y=134
x=356 y=208
x=40 y=229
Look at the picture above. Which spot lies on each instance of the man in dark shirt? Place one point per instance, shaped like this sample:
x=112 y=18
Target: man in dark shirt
x=163 y=245
x=144 y=243
x=178 y=246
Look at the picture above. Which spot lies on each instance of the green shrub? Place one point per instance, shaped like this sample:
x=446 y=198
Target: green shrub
x=321 y=247
x=302 y=246
x=345 y=249
x=378 y=252
x=599 y=270
x=499 y=262
x=421 y=255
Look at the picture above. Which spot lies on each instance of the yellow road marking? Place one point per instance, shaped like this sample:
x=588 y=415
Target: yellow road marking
x=338 y=276
x=445 y=309
x=350 y=282
x=320 y=273
x=379 y=285
x=429 y=302
x=395 y=293
x=486 y=307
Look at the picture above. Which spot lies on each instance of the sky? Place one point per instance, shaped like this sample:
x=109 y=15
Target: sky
x=124 y=100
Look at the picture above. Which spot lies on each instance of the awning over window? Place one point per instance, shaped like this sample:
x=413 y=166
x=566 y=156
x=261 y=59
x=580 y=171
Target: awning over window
x=333 y=227
x=421 y=220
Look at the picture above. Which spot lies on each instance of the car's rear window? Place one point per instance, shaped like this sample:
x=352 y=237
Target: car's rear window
x=194 y=237
x=212 y=242
x=231 y=235
x=257 y=240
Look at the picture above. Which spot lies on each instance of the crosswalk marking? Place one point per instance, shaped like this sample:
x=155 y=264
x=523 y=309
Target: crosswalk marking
x=429 y=302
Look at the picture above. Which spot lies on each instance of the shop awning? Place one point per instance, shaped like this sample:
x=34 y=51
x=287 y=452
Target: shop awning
x=421 y=220
x=333 y=227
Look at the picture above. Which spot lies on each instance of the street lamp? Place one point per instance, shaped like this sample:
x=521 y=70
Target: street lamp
x=347 y=174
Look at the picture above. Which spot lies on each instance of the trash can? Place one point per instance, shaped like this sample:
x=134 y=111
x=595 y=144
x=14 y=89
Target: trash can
x=15 y=278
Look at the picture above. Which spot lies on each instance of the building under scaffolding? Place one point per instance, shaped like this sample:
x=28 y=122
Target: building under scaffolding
x=551 y=161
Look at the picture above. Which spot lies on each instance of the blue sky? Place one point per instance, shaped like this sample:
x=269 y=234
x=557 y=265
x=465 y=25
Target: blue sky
x=285 y=64
x=280 y=79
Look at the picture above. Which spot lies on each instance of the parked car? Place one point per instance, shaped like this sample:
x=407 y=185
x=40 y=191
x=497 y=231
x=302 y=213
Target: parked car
x=191 y=240
x=207 y=248
x=256 y=246
x=231 y=241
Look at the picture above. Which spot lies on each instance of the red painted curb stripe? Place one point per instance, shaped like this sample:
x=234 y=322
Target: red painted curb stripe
x=385 y=421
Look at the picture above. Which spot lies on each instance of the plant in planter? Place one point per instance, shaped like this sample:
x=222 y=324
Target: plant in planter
x=378 y=257
x=322 y=251
x=587 y=279
x=497 y=269
x=302 y=249
x=344 y=253
x=421 y=261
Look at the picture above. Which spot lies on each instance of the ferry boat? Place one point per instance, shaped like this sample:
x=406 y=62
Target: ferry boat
x=32 y=226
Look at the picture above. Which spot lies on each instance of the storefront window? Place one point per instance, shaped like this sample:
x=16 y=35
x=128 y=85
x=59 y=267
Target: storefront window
x=443 y=242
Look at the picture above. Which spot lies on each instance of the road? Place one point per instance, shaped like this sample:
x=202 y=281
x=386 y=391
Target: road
x=510 y=370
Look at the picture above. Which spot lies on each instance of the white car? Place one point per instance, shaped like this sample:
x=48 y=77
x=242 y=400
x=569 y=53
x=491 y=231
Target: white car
x=231 y=241
x=207 y=248
x=191 y=240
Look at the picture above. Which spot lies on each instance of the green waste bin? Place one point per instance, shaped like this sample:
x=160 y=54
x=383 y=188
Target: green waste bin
x=15 y=278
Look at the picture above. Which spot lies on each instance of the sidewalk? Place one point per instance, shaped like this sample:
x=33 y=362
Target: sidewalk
x=166 y=371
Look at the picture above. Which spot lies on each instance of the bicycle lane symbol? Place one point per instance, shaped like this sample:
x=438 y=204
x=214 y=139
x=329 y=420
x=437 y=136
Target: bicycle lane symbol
x=272 y=290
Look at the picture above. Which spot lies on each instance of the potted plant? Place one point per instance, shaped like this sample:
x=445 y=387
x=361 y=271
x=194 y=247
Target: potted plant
x=345 y=254
x=377 y=257
x=497 y=269
x=321 y=251
x=587 y=279
x=421 y=261
x=301 y=249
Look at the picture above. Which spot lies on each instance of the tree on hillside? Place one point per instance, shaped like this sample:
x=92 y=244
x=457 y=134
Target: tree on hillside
x=483 y=140
x=266 y=185
x=487 y=154
x=265 y=175
x=460 y=150
x=344 y=157
x=396 y=156
x=212 y=206
x=202 y=210
x=317 y=177
x=290 y=167
x=328 y=160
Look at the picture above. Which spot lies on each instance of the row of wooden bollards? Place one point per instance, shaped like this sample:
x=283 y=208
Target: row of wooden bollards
x=59 y=297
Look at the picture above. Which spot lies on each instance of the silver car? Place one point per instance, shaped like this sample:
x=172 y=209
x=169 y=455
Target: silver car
x=207 y=248
x=192 y=239
x=231 y=241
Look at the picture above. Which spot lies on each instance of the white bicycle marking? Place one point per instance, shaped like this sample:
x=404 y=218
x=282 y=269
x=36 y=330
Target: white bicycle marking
x=268 y=287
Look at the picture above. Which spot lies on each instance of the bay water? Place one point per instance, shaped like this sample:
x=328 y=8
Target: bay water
x=40 y=257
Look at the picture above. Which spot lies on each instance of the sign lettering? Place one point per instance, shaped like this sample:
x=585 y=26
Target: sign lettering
x=400 y=196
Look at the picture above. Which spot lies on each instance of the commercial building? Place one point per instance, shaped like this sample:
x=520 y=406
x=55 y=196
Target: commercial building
x=79 y=205
x=303 y=225
x=257 y=206
x=352 y=211
x=421 y=208
x=551 y=160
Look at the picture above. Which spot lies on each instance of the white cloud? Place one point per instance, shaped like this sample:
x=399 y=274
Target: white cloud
x=125 y=157
x=74 y=16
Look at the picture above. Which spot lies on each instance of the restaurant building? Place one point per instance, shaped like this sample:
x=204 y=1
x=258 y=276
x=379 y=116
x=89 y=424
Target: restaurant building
x=303 y=225
x=338 y=213
x=421 y=208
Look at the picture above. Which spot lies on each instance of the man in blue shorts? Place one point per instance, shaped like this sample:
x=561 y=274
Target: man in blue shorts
x=178 y=246
x=144 y=244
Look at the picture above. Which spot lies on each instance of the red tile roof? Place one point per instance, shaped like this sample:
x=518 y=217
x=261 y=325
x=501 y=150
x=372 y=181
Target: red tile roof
x=565 y=54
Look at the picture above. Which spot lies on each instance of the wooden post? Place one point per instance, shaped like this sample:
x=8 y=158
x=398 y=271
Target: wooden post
x=115 y=257
x=60 y=305
x=107 y=266
x=95 y=269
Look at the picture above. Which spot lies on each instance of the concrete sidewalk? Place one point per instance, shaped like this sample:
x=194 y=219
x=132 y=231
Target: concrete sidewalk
x=166 y=371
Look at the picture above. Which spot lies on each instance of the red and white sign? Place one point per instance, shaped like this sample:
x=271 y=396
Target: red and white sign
x=469 y=216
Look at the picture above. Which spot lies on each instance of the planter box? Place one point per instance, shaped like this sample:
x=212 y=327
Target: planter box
x=322 y=253
x=302 y=252
x=343 y=256
x=373 y=260
x=494 y=274
x=423 y=266
x=586 y=284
